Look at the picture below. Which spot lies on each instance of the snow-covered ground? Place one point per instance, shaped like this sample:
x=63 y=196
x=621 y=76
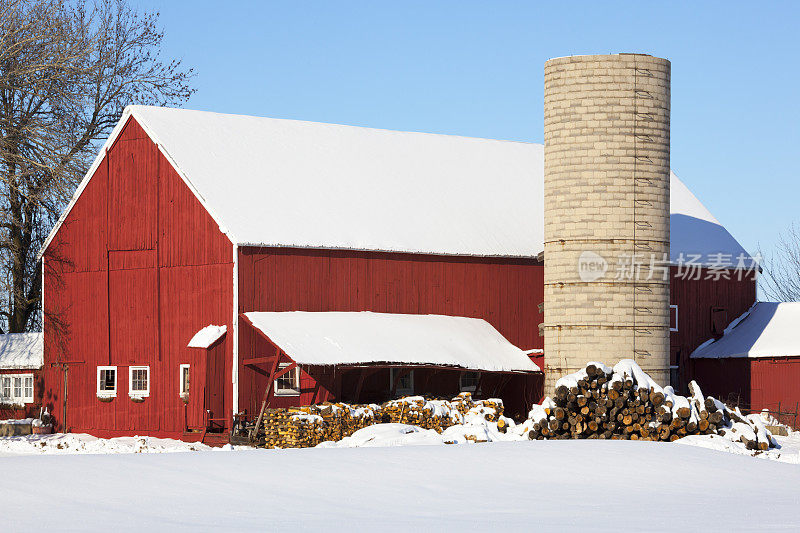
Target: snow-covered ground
x=540 y=485
x=72 y=443
x=787 y=451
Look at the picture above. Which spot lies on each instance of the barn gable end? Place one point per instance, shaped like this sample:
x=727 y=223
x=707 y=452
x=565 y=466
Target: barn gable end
x=133 y=270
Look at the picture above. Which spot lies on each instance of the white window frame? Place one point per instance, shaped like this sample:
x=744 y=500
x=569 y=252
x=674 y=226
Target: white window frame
x=17 y=390
x=675 y=307
x=468 y=388
x=12 y=397
x=108 y=393
x=294 y=391
x=6 y=383
x=407 y=391
x=181 y=392
x=138 y=393
x=26 y=398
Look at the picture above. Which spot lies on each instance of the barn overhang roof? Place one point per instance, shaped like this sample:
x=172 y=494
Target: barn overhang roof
x=387 y=339
x=767 y=329
x=207 y=336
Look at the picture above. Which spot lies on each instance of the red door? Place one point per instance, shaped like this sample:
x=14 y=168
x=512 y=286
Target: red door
x=215 y=383
x=133 y=340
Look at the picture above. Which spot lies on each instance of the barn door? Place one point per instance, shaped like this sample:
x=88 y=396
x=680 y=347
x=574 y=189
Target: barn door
x=194 y=402
x=215 y=383
x=133 y=336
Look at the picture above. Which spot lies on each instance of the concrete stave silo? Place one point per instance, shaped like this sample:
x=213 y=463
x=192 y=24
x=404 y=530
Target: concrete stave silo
x=606 y=205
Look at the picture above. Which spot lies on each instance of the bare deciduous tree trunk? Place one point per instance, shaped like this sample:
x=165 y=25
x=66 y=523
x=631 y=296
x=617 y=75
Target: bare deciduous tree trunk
x=67 y=70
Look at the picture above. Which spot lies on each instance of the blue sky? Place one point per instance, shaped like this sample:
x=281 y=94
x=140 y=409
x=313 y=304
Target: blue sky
x=476 y=69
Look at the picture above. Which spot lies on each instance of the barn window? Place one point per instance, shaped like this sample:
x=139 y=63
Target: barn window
x=107 y=381
x=673 y=318
x=289 y=383
x=468 y=381
x=17 y=389
x=184 y=380
x=406 y=383
x=139 y=379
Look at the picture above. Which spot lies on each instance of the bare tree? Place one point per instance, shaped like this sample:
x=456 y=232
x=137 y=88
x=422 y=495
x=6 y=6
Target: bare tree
x=67 y=70
x=780 y=279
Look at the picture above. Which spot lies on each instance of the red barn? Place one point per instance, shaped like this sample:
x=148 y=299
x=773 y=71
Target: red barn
x=21 y=357
x=756 y=361
x=172 y=281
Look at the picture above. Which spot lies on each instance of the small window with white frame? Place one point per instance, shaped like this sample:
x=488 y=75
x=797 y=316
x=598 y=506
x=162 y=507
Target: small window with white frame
x=673 y=318
x=288 y=384
x=468 y=381
x=106 y=381
x=183 y=381
x=7 y=387
x=16 y=389
x=405 y=385
x=139 y=381
x=27 y=388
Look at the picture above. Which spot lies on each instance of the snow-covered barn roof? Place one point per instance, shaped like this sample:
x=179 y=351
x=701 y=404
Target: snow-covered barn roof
x=768 y=329
x=359 y=338
x=346 y=187
x=21 y=351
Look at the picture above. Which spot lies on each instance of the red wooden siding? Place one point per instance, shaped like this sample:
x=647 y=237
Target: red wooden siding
x=136 y=269
x=504 y=292
x=132 y=191
x=696 y=300
x=757 y=383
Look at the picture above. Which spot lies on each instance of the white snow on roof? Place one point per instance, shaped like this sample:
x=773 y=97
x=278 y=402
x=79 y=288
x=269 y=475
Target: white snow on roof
x=207 y=336
x=292 y=183
x=768 y=329
x=21 y=351
x=695 y=231
x=354 y=338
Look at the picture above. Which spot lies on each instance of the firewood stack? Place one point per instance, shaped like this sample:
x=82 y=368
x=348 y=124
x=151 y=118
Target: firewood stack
x=300 y=427
x=599 y=402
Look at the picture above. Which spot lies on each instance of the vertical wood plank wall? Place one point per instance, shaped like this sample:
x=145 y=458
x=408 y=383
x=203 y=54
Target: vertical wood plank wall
x=695 y=299
x=136 y=269
x=504 y=292
x=762 y=383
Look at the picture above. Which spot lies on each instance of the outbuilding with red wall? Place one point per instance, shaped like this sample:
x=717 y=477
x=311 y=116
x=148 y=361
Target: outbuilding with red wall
x=755 y=362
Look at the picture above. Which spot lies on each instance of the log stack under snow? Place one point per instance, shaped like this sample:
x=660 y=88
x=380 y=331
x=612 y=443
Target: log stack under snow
x=300 y=427
x=623 y=402
x=598 y=402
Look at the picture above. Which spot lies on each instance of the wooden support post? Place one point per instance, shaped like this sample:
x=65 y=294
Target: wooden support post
x=428 y=377
x=360 y=384
x=270 y=380
x=479 y=384
x=316 y=392
x=365 y=373
x=501 y=383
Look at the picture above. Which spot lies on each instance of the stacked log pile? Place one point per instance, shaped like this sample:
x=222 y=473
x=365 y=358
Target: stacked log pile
x=623 y=402
x=598 y=402
x=300 y=427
